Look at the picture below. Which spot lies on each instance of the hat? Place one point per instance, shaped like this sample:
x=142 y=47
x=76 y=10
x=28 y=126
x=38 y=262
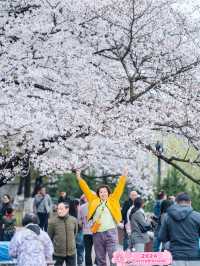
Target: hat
x=183 y=196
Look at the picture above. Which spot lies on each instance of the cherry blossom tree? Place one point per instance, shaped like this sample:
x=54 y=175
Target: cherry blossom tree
x=87 y=84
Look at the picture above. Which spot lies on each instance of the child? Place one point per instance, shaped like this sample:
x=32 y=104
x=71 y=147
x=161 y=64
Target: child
x=9 y=222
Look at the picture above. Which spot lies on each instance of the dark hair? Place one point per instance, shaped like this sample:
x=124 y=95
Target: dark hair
x=183 y=196
x=8 y=196
x=165 y=204
x=82 y=201
x=38 y=189
x=137 y=205
x=103 y=186
x=9 y=210
x=66 y=203
x=30 y=218
x=160 y=195
x=77 y=202
x=73 y=208
x=41 y=187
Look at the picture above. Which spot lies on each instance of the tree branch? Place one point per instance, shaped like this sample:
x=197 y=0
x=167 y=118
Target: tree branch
x=170 y=162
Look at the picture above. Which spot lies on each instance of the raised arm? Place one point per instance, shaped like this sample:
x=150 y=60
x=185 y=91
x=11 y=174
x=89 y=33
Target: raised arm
x=117 y=193
x=84 y=187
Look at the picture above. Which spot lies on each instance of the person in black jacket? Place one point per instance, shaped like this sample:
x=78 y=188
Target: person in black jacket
x=6 y=203
x=127 y=204
x=4 y=206
x=181 y=227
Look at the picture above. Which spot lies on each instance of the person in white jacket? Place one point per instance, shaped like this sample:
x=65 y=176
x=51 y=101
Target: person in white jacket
x=30 y=245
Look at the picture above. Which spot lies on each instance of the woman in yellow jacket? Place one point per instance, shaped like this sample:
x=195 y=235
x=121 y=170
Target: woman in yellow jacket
x=104 y=209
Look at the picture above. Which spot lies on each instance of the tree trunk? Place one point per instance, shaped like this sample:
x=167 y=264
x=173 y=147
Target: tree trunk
x=131 y=91
x=21 y=185
x=27 y=186
x=28 y=200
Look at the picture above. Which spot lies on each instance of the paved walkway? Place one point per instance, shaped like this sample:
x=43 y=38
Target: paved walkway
x=108 y=263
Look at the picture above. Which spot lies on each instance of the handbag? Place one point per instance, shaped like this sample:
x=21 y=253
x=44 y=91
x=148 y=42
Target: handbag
x=96 y=225
x=37 y=204
x=144 y=228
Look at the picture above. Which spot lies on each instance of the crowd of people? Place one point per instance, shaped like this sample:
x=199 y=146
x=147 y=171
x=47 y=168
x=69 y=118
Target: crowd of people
x=85 y=231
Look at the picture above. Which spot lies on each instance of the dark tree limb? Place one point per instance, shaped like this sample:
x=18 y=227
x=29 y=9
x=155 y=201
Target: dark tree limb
x=171 y=162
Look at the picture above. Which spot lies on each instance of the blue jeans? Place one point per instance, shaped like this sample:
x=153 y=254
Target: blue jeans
x=125 y=241
x=80 y=248
x=156 y=244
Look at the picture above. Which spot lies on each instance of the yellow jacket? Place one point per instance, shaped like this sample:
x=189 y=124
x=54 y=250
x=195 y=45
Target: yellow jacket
x=112 y=201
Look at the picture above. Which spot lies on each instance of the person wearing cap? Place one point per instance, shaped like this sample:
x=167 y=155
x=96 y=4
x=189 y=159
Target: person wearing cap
x=31 y=246
x=62 y=230
x=181 y=227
